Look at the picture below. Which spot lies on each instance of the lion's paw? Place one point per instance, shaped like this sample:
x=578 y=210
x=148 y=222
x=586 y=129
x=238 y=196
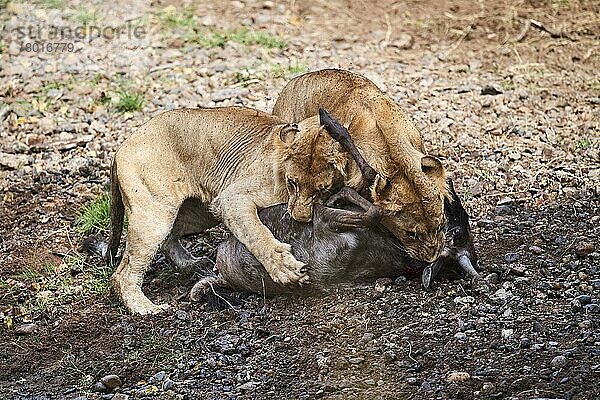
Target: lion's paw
x=285 y=269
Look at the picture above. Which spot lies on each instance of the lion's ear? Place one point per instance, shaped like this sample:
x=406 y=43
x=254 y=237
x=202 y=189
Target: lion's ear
x=432 y=167
x=289 y=133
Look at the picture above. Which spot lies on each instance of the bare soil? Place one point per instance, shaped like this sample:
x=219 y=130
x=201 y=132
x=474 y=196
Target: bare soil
x=506 y=95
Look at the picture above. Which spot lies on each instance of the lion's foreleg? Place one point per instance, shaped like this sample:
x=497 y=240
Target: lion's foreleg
x=239 y=213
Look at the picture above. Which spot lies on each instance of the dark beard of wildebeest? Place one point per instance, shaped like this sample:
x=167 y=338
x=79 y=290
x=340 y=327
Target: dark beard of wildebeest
x=335 y=255
x=334 y=251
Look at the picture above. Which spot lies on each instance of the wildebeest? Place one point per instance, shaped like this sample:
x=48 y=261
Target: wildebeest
x=342 y=244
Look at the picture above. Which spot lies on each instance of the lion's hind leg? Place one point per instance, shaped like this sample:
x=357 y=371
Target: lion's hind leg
x=148 y=228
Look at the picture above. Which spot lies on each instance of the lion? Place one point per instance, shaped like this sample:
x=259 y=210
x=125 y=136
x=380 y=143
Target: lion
x=410 y=186
x=186 y=170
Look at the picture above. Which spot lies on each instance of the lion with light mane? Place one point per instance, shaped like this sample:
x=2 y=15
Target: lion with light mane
x=410 y=186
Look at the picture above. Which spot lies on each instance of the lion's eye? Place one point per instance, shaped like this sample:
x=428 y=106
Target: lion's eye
x=412 y=235
x=292 y=183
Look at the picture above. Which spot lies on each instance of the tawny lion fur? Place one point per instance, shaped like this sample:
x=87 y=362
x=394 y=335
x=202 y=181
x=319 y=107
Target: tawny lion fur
x=185 y=170
x=411 y=186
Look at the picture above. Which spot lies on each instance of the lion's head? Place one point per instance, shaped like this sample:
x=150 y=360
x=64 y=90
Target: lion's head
x=414 y=208
x=309 y=165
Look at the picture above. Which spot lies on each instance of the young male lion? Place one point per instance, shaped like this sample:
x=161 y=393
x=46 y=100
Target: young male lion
x=185 y=170
x=411 y=186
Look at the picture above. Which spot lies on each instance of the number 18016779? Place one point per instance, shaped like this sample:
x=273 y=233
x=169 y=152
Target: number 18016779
x=48 y=47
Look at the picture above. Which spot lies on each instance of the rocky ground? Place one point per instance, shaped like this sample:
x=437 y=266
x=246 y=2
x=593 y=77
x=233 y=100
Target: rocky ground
x=506 y=95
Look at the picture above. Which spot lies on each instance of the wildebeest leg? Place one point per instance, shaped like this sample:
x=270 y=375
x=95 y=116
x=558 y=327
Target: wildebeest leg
x=340 y=134
x=344 y=219
x=193 y=217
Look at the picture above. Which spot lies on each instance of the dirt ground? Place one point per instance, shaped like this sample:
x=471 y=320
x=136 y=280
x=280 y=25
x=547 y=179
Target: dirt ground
x=506 y=95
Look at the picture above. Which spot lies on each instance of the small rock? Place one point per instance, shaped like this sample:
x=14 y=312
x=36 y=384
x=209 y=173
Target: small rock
x=457 y=377
x=501 y=294
x=592 y=308
x=247 y=386
x=25 y=329
x=492 y=278
x=383 y=284
x=227 y=343
x=181 y=315
x=159 y=376
x=584 y=299
x=504 y=201
x=99 y=387
x=537 y=250
x=404 y=42
x=558 y=362
x=168 y=384
x=522 y=94
x=506 y=333
x=491 y=90
x=583 y=249
x=111 y=382
x=14 y=49
x=367 y=337
x=230 y=93
x=412 y=380
x=120 y=396
x=356 y=360
x=511 y=257
x=460 y=336
x=503 y=210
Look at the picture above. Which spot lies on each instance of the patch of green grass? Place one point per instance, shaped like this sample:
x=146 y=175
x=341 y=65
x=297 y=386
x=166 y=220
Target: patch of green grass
x=95 y=277
x=244 y=75
x=129 y=100
x=85 y=16
x=584 y=143
x=172 y=18
x=485 y=174
x=95 y=216
x=507 y=84
x=280 y=71
x=60 y=4
x=210 y=40
x=261 y=38
x=207 y=40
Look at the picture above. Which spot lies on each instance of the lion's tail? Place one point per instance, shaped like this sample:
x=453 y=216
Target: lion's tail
x=97 y=243
x=117 y=215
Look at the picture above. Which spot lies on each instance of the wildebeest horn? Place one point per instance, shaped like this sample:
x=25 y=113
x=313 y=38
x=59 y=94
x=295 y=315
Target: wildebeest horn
x=340 y=134
x=465 y=262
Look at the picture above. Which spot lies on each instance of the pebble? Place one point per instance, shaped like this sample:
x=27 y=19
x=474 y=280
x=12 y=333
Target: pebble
x=25 y=329
x=383 y=284
x=367 y=337
x=159 y=376
x=583 y=249
x=511 y=257
x=537 y=250
x=404 y=42
x=168 y=384
x=230 y=93
x=491 y=90
x=111 y=381
x=181 y=315
x=356 y=360
x=412 y=380
x=457 y=377
x=558 y=362
x=492 y=278
x=506 y=333
x=460 y=336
